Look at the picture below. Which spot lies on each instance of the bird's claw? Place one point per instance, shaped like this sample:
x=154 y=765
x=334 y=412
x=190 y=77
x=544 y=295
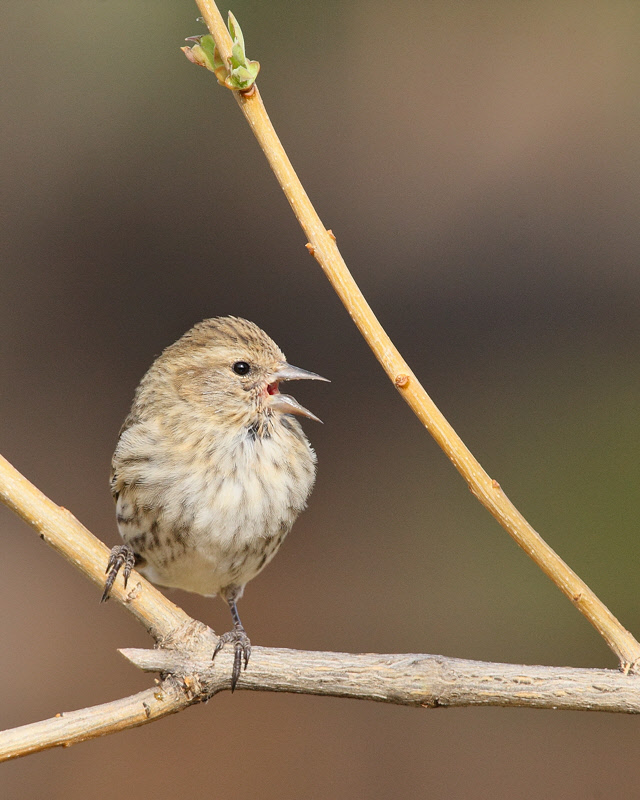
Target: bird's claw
x=242 y=654
x=121 y=556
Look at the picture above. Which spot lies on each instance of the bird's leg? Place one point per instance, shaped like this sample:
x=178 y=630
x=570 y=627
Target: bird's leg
x=237 y=636
x=121 y=556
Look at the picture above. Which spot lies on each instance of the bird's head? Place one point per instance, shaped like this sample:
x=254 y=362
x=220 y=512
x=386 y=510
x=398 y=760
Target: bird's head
x=230 y=369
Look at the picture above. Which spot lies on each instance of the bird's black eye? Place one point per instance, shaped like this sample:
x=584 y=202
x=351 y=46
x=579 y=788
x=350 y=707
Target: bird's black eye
x=241 y=367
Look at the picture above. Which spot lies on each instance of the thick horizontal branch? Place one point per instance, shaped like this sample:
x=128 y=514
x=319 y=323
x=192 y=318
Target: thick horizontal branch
x=425 y=681
x=416 y=680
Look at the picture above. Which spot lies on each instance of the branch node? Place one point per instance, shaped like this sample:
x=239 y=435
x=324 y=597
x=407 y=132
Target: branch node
x=193 y=637
x=192 y=686
x=238 y=73
x=630 y=667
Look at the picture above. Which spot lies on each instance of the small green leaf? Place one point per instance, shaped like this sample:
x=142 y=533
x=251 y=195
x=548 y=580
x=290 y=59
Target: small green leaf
x=202 y=52
x=236 y=32
x=238 y=58
x=208 y=44
x=240 y=74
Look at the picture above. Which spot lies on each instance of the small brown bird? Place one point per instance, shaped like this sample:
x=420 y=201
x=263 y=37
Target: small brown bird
x=211 y=469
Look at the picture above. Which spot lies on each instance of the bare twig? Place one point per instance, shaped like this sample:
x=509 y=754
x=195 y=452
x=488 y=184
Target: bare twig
x=79 y=726
x=323 y=246
x=60 y=529
x=172 y=694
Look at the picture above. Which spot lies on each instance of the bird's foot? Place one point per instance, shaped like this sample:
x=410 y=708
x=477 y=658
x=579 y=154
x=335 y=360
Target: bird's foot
x=121 y=556
x=242 y=646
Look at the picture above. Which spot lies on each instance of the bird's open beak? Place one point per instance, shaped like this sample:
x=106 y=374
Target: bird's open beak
x=284 y=402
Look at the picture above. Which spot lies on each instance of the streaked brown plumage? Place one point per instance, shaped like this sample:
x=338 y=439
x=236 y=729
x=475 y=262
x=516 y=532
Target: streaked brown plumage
x=211 y=469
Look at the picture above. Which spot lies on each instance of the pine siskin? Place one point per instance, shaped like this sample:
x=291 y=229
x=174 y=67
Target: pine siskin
x=211 y=469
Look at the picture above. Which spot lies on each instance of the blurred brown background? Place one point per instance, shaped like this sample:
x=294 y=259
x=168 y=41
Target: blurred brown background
x=479 y=165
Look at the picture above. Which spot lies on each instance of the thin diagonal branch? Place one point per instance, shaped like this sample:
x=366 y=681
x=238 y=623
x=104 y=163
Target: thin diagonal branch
x=79 y=726
x=323 y=246
x=60 y=529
